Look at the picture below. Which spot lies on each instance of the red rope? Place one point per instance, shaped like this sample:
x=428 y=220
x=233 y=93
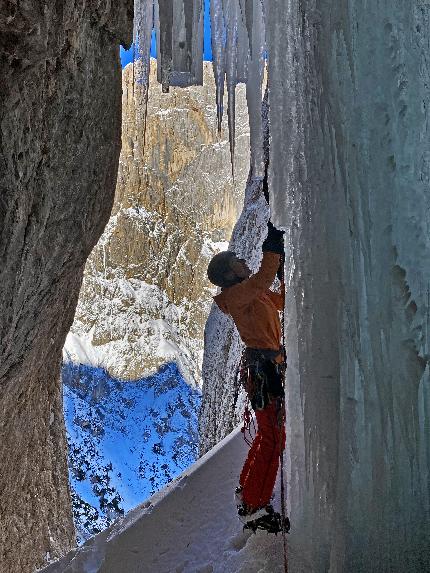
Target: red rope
x=283 y=505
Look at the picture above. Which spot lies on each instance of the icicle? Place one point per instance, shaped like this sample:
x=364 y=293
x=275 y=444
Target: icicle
x=236 y=62
x=164 y=37
x=230 y=50
x=232 y=14
x=143 y=24
x=251 y=8
x=254 y=82
x=218 y=54
x=180 y=32
x=242 y=58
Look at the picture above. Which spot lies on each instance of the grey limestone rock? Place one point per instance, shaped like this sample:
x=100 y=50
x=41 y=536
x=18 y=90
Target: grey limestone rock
x=60 y=119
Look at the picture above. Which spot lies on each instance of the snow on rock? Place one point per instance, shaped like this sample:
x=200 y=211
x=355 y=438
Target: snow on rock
x=190 y=526
x=139 y=328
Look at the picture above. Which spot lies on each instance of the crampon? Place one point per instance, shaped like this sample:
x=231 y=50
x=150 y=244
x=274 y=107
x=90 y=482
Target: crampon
x=271 y=522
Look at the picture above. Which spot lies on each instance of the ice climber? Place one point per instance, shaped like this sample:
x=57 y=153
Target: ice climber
x=255 y=310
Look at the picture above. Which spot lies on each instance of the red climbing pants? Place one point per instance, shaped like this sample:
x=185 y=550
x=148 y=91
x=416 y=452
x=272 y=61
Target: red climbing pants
x=258 y=475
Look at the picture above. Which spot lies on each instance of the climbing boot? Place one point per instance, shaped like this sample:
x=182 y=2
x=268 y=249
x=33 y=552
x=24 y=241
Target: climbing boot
x=247 y=513
x=271 y=522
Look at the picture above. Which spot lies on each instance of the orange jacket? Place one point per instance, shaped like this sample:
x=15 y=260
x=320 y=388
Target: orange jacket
x=254 y=308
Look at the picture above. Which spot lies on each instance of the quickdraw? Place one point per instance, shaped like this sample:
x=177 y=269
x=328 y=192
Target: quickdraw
x=244 y=378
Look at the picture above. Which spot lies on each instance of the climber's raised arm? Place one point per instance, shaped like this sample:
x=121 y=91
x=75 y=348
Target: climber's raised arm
x=273 y=250
x=227 y=270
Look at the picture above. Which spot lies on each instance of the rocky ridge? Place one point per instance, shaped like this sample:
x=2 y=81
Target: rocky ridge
x=145 y=297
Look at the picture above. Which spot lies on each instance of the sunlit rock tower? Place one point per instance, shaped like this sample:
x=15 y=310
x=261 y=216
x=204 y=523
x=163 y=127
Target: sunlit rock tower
x=60 y=119
x=349 y=182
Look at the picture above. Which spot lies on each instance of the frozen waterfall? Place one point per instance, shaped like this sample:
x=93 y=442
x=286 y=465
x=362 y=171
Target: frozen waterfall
x=349 y=181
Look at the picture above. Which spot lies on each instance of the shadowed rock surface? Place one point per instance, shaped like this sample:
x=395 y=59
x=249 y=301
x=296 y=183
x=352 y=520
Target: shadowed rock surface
x=60 y=141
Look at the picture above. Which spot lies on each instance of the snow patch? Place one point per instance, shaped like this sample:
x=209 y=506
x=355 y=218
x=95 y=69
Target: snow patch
x=191 y=525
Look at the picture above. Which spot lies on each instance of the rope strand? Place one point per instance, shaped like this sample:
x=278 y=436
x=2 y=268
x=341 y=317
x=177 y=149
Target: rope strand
x=282 y=425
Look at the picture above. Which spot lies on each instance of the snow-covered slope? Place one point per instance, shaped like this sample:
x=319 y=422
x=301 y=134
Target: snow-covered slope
x=127 y=439
x=191 y=526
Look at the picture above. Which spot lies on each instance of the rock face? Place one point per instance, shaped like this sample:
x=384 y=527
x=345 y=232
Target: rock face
x=60 y=124
x=145 y=296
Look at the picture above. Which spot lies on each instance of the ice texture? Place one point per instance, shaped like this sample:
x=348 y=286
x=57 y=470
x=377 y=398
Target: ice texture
x=256 y=34
x=285 y=72
x=349 y=182
x=142 y=31
x=178 y=25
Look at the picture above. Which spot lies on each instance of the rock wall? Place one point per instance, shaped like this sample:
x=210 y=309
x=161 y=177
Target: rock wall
x=145 y=296
x=60 y=123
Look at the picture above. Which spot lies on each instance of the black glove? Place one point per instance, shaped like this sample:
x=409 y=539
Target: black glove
x=274 y=241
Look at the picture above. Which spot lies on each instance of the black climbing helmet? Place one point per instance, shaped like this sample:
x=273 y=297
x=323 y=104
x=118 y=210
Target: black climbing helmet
x=219 y=267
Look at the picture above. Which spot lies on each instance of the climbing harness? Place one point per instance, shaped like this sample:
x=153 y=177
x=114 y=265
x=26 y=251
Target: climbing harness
x=247 y=420
x=260 y=377
x=243 y=379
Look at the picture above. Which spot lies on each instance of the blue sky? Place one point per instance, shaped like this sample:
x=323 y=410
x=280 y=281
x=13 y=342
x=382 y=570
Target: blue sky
x=127 y=55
